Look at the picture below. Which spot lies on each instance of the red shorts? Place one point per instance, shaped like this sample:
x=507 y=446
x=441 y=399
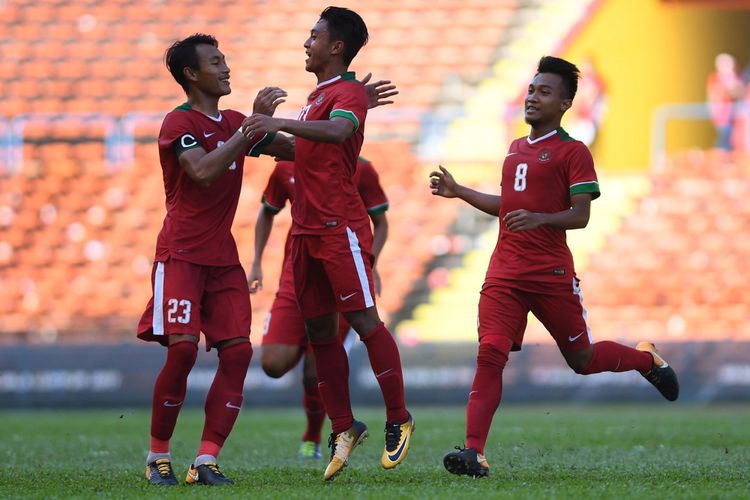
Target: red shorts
x=189 y=298
x=503 y=309
x=284 y=323
x=333 y=272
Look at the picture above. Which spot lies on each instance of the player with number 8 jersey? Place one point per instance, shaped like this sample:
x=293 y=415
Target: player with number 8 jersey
x=541 y=175
x=548 y=183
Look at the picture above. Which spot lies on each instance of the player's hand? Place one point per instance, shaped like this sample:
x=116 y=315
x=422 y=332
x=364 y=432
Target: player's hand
x=523 y=220
x=443 y=184
x=378 y=92
x=259 y=124
x=255 y=279
x=268 y=99
x=377 y=282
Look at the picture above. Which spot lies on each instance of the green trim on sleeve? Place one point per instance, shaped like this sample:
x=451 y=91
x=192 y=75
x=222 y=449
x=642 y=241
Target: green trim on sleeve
x=268 y=206
x=378 y=209
x=591 y=187
x=346 y=114
x=259 y=146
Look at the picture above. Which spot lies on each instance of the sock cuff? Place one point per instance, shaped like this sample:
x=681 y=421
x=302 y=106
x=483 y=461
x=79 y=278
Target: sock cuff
x=204 y=458
x=375 y=332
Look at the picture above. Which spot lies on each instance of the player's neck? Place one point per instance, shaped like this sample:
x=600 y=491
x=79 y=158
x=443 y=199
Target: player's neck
x=208 y=105
x=331 y=71
x=541 y=130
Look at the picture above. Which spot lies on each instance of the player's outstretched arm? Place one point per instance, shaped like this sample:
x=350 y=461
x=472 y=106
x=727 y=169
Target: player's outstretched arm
x=336 y=130
x=263 y=226
x=268 y=99
x=281 y=148
x=443 y=184
x=204 y=168
x=378 y=92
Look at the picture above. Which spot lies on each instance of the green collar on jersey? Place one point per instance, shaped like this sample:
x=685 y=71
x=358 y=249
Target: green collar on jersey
x=349 y=75
x=564 y=136
x=183 y=107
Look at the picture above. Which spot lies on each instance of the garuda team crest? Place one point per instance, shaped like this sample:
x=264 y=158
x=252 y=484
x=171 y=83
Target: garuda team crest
x=544 y=156
x=320 y=99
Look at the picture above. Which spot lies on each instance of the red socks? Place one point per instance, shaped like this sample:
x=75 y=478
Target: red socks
x=613 y=357
x=486 y=390
x=386 y=364
x=224 y=398
x=169 y=393
x=332 y=367
x=315 y=412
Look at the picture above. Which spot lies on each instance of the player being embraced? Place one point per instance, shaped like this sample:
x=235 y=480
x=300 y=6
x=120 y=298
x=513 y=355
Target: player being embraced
x=284 y=337
x=331 y=240
x=548 y=182
x=197 y=280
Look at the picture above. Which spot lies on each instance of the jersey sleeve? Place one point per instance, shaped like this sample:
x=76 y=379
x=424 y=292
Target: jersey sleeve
x=258 y=142
x=275 y=195
x=369 y=188
x=177 y=132
x=581 y=174
x=351 y=103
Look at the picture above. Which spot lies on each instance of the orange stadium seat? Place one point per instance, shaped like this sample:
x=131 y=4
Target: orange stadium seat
x=685 y=269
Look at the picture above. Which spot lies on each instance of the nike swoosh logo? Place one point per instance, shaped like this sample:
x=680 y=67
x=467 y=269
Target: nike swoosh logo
x=510 y=154
x=193 y=475
x=234 y=407
x=480 y=459
x=400 y=450
x=573 y=339
x=169 y=404
x=206 y=134
x=347 y=297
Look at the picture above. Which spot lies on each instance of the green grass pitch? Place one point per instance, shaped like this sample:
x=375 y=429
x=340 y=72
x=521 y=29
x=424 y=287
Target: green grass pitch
x=543 y=451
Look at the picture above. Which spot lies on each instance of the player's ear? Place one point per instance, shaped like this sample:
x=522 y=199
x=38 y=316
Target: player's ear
x=566 y=104
x=337 y=48
x=190 y=73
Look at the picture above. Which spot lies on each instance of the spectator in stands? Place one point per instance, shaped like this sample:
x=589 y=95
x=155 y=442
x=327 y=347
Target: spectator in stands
x=198 y=282
x=725 y=89
x=591 y=105
x=284 y=337
x=548 y=182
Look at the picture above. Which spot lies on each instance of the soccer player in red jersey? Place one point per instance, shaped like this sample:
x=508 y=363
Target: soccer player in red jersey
x=198 y=282
x=332 y=241
x=548 y=182
x=284 y=337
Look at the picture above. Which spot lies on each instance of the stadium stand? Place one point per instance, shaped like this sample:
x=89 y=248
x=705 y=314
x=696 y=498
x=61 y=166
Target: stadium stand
x=80 y=195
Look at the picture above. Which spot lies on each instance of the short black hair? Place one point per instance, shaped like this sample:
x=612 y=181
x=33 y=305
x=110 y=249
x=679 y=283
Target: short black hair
x=347 y=26
x=564 y=69
x=182 y=54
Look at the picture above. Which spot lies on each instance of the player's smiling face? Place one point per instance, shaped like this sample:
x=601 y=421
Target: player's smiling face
x=318 y=47
x=546 y=100
x=213 y=74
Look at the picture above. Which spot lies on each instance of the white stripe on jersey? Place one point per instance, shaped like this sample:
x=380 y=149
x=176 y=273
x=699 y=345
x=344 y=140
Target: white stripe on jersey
x=157 y=323
x=360 y=265
x=584 y=313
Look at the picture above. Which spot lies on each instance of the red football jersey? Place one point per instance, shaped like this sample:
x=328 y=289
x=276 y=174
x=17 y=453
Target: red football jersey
x=197 y=227
x=281 y=188
x=540 y=176
x=326 y=199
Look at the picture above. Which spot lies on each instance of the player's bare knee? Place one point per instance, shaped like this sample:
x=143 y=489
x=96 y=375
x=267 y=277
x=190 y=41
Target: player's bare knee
x=364 y=321
x=272 y=365
x=578 y=361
